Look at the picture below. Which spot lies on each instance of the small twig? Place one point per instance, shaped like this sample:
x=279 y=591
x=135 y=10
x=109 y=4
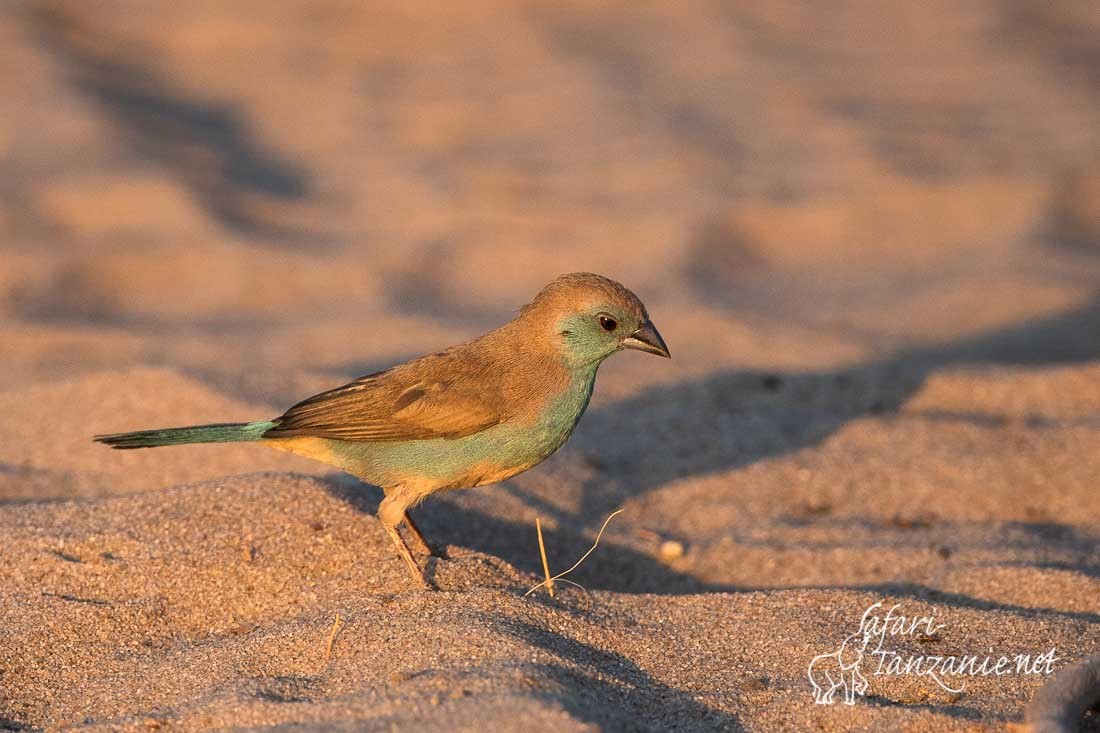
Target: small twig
x=332 y=638
x=545 y=564
x=550 y=579
x=76 y=599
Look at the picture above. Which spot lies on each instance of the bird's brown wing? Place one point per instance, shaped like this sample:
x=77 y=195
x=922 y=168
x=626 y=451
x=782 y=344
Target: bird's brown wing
x=434 y=397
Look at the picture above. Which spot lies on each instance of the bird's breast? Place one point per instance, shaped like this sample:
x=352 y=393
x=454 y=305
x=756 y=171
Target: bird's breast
x=517 y=445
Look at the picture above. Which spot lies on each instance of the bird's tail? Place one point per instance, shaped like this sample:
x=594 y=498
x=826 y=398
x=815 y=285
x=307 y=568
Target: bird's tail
x=221 y=433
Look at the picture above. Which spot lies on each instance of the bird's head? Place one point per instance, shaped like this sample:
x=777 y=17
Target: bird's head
x=591 y=317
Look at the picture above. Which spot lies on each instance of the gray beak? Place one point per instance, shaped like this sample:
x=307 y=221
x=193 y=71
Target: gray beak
x=647 y=339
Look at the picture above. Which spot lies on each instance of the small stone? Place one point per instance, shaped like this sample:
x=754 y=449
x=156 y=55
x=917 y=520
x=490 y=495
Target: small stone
x=671 y=550
x=755 y=684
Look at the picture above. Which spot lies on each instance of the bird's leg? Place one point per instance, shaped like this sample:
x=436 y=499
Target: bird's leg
x=390 y=513
x=406 y=555
x=418 y=536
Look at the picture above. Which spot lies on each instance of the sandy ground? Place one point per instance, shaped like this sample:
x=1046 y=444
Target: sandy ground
x=870 y=236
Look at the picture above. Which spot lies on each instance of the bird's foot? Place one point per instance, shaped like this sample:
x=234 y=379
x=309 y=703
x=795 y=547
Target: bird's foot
x=410 y=562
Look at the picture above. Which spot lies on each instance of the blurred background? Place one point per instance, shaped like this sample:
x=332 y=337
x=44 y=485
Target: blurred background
x=868 y=231
x=268 y=198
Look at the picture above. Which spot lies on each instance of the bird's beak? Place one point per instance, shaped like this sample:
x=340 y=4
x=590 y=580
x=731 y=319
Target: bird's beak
x=647 y=339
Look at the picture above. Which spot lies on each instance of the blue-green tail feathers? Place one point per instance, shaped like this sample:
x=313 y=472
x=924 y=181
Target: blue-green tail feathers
x=219 y=433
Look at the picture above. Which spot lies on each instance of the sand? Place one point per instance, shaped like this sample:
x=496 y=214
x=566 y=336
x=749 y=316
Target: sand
x=869 y=235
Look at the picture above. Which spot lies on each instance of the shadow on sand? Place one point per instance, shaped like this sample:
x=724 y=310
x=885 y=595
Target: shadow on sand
x=772 y=414
x=206 y=145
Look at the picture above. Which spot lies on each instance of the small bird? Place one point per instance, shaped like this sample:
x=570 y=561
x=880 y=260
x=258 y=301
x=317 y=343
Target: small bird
x=467 y=416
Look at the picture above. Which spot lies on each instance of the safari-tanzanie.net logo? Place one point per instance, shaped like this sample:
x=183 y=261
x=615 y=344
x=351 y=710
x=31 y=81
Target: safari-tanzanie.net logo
x=872 y=652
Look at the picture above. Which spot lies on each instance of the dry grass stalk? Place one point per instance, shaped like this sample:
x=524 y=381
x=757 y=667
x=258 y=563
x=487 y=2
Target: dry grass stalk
x=550 y=579
x=545 y=564
x=331 y=639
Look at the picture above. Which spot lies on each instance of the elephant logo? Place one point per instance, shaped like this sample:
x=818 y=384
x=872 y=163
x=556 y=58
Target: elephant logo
x=840 y=670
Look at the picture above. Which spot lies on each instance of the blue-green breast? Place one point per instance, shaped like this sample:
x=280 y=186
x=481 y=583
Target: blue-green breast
x=492 y=455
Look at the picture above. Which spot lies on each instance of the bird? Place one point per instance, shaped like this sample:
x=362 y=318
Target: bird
x=470 y=415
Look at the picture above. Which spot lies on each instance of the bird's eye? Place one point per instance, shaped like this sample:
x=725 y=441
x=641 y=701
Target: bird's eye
x=608 y=323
